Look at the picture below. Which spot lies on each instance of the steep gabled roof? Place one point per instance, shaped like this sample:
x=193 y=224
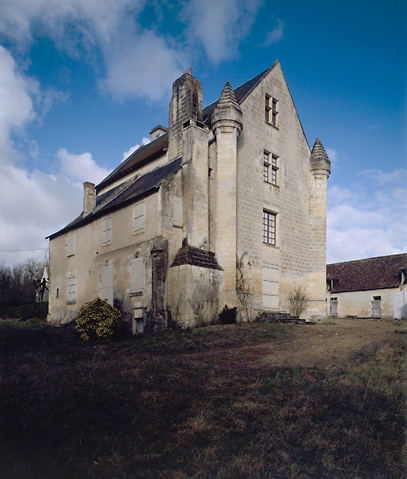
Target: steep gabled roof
x=141 y=156
x=123 y=194
x=367 y=274
x=240 y=92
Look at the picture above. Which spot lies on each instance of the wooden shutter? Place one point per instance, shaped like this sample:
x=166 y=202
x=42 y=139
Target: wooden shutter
x=139 y=215
x=137 y=276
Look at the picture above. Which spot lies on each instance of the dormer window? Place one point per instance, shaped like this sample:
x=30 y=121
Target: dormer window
x=271 y=110
x=331 y=284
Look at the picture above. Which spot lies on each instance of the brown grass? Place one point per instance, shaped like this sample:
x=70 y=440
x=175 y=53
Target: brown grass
x=158 y=407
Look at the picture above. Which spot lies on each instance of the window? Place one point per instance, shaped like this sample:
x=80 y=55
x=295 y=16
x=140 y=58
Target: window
x=177 y=213
x=137 y=276
x=270 y=168
x=271 y=110
x=106 y=284
x=71 y=287
x=139 y=217
x=57 y=293
x=269 y=228
x=70 y=243
x=107 y=230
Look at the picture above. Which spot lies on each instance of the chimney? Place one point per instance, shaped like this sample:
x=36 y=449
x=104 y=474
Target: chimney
x=158 y=131
x=89 y=198
x=185 y=105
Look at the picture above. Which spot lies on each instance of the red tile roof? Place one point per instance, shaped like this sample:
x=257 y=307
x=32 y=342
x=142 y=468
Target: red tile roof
x=367 y=274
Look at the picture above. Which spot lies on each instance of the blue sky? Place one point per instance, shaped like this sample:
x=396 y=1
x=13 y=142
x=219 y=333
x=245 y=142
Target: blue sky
x=82 y=82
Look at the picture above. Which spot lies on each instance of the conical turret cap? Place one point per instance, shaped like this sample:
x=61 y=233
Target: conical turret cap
x=228 y=97
x=318 y=152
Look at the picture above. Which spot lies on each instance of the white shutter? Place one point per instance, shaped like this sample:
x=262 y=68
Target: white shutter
x=139 y=216
x=106 y=284
x=71 y=287
x=107 y=230
x=71 y=240
x=177 y=213
x=270 y=288
x=137 y=276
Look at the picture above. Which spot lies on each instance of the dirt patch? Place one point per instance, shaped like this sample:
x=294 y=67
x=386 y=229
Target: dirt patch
x=322 y=345
x=328 y=345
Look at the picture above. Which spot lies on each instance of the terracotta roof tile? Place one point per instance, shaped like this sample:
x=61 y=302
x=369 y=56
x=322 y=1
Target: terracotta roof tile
x=367 y=274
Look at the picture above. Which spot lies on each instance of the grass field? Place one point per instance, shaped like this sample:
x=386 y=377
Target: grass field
x=176 y=406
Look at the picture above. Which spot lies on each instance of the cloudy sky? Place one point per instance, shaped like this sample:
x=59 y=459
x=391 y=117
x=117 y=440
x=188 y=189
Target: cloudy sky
x=82 y=82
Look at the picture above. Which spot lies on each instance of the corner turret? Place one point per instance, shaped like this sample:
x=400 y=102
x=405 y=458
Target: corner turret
x=319 y=158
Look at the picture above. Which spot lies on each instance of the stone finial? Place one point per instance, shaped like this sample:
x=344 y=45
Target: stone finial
x=228 y=98
x=319 y=158
x=228 y=110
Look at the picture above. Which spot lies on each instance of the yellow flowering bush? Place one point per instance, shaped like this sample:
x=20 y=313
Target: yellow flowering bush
x=98 y=319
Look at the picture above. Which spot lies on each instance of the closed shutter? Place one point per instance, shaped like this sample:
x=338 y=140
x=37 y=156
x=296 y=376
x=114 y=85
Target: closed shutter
x=106 y=284
x=270 y=287
x=107 y=231
x=139 y=215
x=71 y=240
x=71 y=287
x=137 y=276
x=177 y=214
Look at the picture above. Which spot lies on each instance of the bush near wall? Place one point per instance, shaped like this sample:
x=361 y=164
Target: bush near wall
x=98 y=319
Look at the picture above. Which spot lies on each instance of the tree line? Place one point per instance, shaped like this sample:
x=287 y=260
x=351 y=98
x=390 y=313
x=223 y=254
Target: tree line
x=21 y=283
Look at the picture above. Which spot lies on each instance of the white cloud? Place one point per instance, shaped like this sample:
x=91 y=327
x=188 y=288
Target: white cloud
x=141 y=65
x=219 y=25
x=127 y=153
x=80 y=167
x=17 y=108
x=369 y=218
x=35 y=204
x=274 y=36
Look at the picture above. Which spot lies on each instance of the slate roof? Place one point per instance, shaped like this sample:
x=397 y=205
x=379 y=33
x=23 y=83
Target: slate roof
x=124 y=194
x=367 y=274
x=141 y=156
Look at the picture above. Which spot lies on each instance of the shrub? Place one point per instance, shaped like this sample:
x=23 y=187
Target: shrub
x=297 y=300
x=228 y=315
x=98 y=319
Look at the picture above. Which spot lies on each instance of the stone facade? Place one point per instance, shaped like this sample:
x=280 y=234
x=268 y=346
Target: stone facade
x=226 y=207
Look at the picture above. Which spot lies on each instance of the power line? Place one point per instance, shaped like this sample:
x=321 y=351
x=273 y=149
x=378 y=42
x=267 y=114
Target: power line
x=21 y=250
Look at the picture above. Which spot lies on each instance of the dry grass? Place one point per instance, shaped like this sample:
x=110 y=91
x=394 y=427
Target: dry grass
x=142 y=408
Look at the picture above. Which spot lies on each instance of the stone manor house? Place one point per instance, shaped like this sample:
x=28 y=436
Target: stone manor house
x=226 y=206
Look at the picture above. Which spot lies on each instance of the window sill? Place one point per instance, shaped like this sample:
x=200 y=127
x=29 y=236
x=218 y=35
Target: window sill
x=71 y=302
x=271 y=124
x=271 y=184
x=270 y=246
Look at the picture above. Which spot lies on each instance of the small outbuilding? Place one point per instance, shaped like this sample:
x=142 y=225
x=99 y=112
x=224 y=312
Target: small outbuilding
x=368 y=288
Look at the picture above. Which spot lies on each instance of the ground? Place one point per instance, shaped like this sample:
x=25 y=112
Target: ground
x=323 y=345
x=251 y=400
